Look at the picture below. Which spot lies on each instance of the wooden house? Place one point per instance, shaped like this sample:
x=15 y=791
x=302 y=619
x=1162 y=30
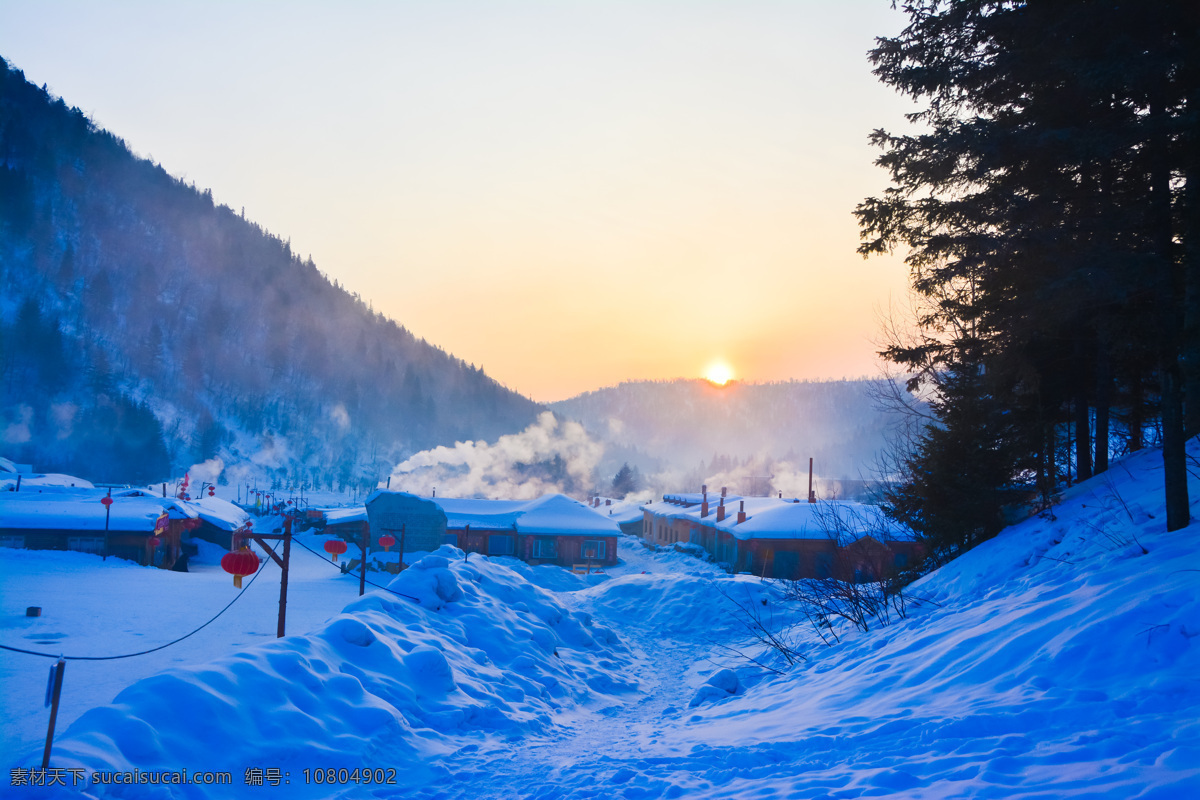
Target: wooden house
x=552 y=529
x=76 y=519
x=785 y=538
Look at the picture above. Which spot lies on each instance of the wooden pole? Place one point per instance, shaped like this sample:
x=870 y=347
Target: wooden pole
x=56 y=692
x=283 y=578
x=402 y=526
x=362 y=569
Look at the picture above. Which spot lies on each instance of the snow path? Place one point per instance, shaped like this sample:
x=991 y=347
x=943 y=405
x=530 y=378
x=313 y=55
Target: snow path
x=591 y=753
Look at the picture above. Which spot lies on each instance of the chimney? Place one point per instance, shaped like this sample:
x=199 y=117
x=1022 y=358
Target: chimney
x=741 y=512
x=721 y=511
x=812 y=497
x=608 y=501
x=722 y=491
x=704 y=500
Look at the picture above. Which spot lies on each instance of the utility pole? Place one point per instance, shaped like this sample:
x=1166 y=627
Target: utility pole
x=286 y=536
x=283 y=577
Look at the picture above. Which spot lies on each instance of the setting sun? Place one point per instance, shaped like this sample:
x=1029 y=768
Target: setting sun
x=719 y=373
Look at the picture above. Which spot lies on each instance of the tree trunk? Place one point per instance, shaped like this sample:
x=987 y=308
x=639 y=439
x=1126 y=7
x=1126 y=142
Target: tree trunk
x=1190 y=234
x=1169 y=286
x=1083 y=438
x=1174 y=452
x=1103 y=388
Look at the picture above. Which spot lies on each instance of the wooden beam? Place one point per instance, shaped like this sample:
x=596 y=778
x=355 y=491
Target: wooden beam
x=259 y=539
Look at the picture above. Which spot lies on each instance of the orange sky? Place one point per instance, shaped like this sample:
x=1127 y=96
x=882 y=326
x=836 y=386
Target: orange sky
x=567 y=194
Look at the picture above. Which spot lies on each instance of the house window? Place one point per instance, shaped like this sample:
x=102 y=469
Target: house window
x=86 y=544
x=824 y=565
x=593 y=549
x=13 y=541
x=545 y=548
x=450 y=538
x=901 y=560
x=500 y=545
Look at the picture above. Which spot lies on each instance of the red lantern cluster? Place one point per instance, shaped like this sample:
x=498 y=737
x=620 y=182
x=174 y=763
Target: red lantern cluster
x=239 y=563
x=212 y=491
x=387 y=540
x=335 y=547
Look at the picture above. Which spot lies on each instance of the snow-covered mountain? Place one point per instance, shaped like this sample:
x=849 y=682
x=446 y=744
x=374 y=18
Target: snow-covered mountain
x=144 y=329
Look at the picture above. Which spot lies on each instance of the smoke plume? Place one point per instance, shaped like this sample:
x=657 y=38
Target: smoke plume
x=548 y=456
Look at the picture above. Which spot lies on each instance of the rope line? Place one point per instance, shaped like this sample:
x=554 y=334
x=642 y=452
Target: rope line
x=373 y=583
x=202 y=627
x=151 y=650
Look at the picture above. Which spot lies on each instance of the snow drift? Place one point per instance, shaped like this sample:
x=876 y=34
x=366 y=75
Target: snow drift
x=483 y=653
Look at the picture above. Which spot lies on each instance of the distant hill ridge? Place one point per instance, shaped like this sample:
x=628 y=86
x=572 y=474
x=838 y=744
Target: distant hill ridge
x=683 y=422
x=144 y=329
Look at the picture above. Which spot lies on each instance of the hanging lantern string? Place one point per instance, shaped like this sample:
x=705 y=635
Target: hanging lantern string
x=373 y=583
x=142 y=652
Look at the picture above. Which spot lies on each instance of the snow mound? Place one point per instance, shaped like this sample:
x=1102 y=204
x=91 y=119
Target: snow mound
x=679 y=605
x=483 y=653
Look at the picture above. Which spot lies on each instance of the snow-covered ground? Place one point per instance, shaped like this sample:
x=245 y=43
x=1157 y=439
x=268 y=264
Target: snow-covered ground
x=1057 y=660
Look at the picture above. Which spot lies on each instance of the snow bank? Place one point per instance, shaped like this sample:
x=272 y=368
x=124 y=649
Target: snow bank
x=1058 y=660
x=484 y=654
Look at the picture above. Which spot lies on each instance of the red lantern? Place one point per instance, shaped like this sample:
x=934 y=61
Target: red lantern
x=106 y=500
x=387 y=540
x=212 y=491
x=239 y=563
x=335 y=547
x=154 y=541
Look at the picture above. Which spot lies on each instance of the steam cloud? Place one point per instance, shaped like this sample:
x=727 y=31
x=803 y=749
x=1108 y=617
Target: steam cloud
x=548 y=456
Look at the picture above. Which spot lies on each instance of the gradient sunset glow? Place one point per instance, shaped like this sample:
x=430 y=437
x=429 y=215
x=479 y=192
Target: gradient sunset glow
x=569 y=195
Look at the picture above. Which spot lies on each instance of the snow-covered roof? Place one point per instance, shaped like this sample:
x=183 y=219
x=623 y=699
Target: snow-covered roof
x=83 y=511
x=221 y=513
x=334 y=516
x=773 y=518
x=46 y=482
x=696 y=498
x=550 y=513
x=620 y=512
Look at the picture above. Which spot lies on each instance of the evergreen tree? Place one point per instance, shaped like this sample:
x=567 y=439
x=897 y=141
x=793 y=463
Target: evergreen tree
x=626 y=481
x=1042 y=217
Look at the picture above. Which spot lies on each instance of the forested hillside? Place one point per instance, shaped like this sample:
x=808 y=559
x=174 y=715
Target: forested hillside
x=685 y=422
x=146 y=329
